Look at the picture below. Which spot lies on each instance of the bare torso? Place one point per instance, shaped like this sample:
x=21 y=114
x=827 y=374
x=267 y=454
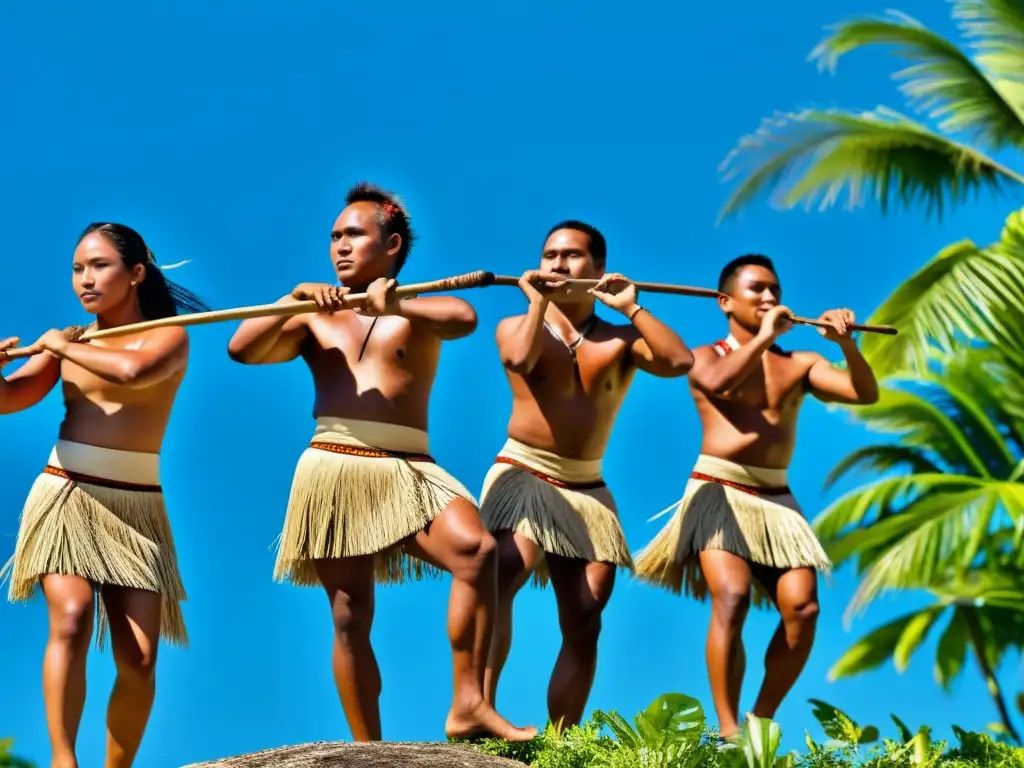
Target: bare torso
x=101 y=413
x=386 y=376
x=569 y=409
x=756 y=423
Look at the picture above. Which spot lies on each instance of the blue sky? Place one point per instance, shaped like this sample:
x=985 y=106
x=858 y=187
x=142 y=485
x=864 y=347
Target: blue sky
x=229 y=136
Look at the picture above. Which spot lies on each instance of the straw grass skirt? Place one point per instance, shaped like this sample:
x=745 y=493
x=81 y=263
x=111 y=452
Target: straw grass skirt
x=99 y=513
x=561 y=505
x=362 y=488
x=749 y=511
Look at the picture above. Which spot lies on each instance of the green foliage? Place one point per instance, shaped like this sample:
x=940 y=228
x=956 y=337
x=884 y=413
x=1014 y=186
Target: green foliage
x=671 y=733
x=972 y=90
x=10 y=760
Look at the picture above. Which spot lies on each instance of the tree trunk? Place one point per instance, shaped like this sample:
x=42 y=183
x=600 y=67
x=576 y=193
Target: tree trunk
x=377 y=754
x=977 y=636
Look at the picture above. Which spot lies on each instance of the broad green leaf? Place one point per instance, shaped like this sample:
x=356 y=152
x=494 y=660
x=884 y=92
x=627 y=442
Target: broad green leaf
x=995 y=29
x=943 y=80
x=814 y=155
x=951 y=651
x=913 y=635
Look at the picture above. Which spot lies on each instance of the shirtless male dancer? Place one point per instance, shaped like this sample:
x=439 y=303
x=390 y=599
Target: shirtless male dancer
x=544 y=498
x=738 y=524
x=367 y=501
x=94 y=530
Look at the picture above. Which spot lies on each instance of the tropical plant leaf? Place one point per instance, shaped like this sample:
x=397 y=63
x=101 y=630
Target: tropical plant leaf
x=816 y=154
x=951 y=651
x=924 y=541
x=887 y=496
x=871 y=651
x=963 y=293
x=882 y=458
x=944 y=81
x=921 y=423
x=995 y=29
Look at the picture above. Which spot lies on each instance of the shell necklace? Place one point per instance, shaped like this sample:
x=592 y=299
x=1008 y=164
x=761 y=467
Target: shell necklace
x=582 y=333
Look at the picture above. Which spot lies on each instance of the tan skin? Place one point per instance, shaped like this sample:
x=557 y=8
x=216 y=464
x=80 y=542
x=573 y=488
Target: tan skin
x=118 y=393
x=748 y=402
x=568 y=409
x=387 y=376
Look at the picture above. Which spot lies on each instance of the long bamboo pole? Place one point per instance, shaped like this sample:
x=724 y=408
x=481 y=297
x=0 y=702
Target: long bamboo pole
x=476 y=279
x=576 y=289
x=572 y=289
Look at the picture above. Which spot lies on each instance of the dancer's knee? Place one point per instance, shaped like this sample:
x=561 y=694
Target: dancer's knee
x=581 y=625
x=352 y=617
x=730 y=605
x=137 y=665
x=800 y=621
x=71 y=620
x=476 y=557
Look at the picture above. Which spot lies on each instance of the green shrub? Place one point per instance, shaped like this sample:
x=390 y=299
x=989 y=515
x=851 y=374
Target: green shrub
x=672 y=733
x=9 y=760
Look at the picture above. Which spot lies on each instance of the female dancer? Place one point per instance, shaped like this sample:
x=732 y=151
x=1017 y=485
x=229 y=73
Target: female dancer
x=94 y=531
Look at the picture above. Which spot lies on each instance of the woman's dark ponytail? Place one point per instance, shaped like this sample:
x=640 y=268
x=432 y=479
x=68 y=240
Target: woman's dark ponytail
x=158 y=296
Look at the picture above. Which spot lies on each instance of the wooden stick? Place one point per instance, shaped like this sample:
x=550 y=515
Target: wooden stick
x=478 y=279
x=575 y=289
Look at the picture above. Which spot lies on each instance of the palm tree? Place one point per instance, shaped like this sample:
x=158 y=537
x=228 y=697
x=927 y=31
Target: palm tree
x=966 y=291
x=946 y=516
x=902 y=160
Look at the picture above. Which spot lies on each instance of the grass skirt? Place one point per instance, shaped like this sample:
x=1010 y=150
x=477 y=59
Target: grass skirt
x=561 y=505
x=746 y=510
x=99 y=513
x=362 y=488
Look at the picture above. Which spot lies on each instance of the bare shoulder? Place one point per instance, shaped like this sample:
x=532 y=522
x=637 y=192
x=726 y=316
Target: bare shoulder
x=626 y=332
x=804 y=359
x=171 y=337
x=506 y=324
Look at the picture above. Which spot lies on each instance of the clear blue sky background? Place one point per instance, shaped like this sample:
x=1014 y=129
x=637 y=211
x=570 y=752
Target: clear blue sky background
x=230 y=135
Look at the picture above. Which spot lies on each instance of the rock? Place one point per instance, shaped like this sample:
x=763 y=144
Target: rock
x=376 y=754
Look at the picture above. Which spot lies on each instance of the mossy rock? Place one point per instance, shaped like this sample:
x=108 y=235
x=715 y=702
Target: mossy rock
x=377 y=754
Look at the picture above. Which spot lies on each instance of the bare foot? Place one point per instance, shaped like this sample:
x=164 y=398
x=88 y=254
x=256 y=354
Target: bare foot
x=480 y=720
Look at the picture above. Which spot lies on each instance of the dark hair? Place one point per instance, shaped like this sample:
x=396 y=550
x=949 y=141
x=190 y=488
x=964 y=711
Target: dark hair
x=598 y=247
x=391 y=216
x=730 y=270
x=158 y=296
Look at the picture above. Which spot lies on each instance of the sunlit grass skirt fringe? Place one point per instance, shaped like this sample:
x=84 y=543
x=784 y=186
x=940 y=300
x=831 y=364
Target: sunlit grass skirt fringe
x=562 y=505
x=99 y=513
x=362 y=488
x=748 y=511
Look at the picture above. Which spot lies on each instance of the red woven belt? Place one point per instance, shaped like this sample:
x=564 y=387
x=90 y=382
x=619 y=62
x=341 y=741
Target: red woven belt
x=551 y=480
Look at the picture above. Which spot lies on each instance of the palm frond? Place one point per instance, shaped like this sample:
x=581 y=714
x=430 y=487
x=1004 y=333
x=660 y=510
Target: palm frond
x=925 y=543
x=994 y=382
x=815 y=154
x=882 y=458
x=879 y=645
x=886 y=497
x=995 y=29
x=964 y=292
x=922 y=424
x=945 y=82
x=951 y=650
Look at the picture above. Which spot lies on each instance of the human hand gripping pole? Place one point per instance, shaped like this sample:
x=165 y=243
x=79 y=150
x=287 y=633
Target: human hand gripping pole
x=479 y=279
x=578 y=289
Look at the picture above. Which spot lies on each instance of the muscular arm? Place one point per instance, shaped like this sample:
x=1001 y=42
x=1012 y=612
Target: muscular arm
x=520 y=339
x=657 y=349
x=164 y=353
x=446 y=316
x=266 y=340
x=856 y=385
x=721 y=374
x=28 y=385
